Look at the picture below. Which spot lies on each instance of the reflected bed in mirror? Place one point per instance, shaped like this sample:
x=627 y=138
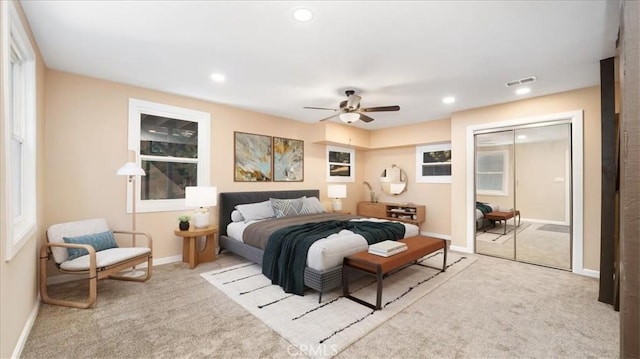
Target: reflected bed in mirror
x=393 y=180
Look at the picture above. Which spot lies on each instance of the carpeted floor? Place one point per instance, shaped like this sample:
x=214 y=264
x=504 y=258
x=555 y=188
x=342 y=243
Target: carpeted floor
x=494 y=309
x=322 y=330
x=544 y=244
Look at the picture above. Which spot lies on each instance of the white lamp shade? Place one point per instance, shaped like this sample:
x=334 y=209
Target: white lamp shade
x=337 y=191
x=130 y=169
x=349 y=117
x=201 y=196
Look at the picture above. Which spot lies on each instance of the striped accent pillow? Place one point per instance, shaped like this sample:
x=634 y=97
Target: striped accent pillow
x=287 y=207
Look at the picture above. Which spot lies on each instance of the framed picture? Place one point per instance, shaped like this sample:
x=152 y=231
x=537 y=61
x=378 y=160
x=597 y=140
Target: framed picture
x=252 y=157
x=288 y=160
x=341 y=163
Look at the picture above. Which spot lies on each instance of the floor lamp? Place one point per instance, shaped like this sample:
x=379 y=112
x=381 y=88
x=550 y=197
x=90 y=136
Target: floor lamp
x=131 y=170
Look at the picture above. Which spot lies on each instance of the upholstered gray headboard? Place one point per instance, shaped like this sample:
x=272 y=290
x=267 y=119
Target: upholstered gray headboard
x=229 y=200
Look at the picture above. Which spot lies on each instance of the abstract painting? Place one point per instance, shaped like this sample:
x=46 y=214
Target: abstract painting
x=252 y=157
x=288 y=160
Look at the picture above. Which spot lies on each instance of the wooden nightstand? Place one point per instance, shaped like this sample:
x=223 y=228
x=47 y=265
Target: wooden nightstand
x=190 y=253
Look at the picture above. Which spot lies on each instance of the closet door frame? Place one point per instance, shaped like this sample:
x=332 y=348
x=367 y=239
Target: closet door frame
x=576 y=119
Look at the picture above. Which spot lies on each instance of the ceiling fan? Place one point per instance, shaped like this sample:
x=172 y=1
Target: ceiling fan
x=350 y=110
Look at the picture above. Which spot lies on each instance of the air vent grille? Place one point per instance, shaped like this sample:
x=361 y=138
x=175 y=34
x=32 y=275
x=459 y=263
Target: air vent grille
x=526 y=80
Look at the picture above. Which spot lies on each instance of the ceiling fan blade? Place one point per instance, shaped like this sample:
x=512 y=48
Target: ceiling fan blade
x=330 y=117
x=320 y=108
x=365 y=118
x=380 y=108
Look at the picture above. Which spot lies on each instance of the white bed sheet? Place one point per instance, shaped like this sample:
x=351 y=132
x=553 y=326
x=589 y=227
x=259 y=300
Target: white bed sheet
x=480 y=215
x=328 y=252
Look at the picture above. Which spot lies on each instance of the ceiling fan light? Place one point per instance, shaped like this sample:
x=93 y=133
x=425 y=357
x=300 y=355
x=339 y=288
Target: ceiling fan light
x=302 y=15
x=349 y=117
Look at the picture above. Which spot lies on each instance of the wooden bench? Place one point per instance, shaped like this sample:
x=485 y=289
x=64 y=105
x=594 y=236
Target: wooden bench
x=380 y=267
x=502 y=216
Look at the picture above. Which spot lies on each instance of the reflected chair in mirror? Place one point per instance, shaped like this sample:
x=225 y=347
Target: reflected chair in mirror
x=88 y=248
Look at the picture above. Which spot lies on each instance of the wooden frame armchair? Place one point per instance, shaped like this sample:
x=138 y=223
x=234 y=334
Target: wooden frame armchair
x=101 y=264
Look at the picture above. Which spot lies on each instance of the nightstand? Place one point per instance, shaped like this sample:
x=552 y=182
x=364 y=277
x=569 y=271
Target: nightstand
x=190 y=252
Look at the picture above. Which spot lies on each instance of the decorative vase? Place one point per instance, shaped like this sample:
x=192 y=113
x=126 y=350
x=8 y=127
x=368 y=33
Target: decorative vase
x=184 y=226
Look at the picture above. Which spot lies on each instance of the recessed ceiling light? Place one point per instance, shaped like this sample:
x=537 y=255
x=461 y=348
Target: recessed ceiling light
x=523 y=90
x=302 y=15
x=448 y=100
x=217 y=77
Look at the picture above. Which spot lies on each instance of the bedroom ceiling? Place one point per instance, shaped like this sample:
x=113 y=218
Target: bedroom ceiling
x=408 y=53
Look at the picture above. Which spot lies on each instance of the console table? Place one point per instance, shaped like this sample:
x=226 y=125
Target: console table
x=403 y=212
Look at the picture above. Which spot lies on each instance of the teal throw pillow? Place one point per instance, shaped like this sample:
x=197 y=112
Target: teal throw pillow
x=99 y=242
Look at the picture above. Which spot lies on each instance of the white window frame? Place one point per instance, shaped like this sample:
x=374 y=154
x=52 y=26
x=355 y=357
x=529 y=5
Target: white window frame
x=19 y=123
x=352 y=164
x=505 y=174
x=420 y=150
x=203 y=119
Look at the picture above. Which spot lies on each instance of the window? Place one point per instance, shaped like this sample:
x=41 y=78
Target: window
x=173 y=144
x=492 y=173
x=19 y=91
x=433 y=163
x=341 y=164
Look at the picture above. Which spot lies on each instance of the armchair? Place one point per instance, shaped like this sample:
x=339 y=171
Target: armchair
x=88 y=247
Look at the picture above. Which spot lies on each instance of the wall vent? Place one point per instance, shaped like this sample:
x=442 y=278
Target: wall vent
x=526 y=80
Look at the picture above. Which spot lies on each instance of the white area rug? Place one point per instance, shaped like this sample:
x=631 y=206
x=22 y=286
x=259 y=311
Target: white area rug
x=322 y=330
x=495 y=235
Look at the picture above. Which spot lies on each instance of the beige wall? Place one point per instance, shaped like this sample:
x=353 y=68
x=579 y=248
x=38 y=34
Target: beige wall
x=87 y=142
x=397 y=146
x=537 y=165
x=18 y=277
x=588 y=100
x=539 y=196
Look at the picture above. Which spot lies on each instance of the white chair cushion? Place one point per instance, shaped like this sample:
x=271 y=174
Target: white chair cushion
x=104 y=258
x=57 y=232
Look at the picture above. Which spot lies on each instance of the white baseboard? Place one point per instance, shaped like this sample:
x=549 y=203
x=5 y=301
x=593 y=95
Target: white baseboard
x=166 y=260
x=436 y=235
x=460 y=249
x=588 y=272
x=62 y=278
x=24 y=335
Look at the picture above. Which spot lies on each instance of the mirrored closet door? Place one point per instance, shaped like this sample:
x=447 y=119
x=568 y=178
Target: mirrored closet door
x=523 y=194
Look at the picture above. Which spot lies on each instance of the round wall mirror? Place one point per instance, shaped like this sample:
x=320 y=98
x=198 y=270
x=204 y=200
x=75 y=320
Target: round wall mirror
x=393 y=180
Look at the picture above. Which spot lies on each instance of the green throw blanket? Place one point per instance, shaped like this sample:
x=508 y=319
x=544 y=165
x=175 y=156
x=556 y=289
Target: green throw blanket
x=483 y=207
x=285 y=257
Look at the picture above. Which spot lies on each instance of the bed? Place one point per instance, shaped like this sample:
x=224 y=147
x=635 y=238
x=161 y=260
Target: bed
x=321 y=273
x=482 y=209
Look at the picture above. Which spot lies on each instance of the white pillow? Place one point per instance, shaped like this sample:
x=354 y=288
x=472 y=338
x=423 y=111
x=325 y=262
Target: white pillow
x=312 y=205
x=236 y=216
x=252 y=211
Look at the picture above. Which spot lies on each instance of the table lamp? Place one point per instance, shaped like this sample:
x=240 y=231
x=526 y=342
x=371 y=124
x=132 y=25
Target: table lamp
x=202 y=197
x=337 y=191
